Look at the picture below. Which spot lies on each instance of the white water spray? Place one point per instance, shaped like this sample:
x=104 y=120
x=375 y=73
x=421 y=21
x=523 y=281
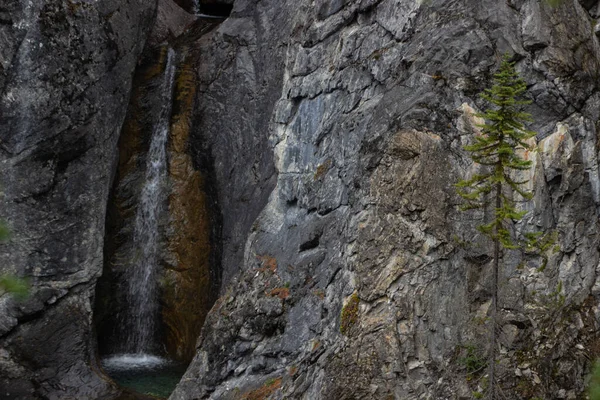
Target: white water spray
x=196 y=7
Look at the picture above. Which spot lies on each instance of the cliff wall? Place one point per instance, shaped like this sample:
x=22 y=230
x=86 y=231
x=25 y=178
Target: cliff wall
x=65 y=79
x=359 y=278
x=319 y=144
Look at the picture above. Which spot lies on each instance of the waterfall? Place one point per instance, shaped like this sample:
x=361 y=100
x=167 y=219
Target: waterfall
x=142 y=288
x=196 y=7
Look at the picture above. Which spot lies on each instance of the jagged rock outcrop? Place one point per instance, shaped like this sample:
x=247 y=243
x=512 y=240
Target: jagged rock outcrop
x=359 y=278
x=171 y=21
x=65 y=79
x=239 y=82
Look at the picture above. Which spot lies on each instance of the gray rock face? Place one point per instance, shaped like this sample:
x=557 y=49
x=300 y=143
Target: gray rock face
x=65 y=77
x=336 y=132
x=171 y=21
x=240 y=78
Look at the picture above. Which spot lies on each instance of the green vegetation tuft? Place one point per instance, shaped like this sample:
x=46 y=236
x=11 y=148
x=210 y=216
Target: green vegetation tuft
x=474 y=360
x=18 y=287
x=594 y=386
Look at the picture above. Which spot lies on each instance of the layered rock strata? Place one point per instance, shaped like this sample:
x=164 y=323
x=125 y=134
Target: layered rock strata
x=359 y=278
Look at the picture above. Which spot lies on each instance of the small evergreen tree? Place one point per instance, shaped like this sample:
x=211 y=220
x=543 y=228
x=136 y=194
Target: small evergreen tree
x=497 y=149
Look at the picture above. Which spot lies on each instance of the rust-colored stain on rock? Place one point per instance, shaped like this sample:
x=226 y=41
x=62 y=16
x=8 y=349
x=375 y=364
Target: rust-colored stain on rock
x=186 y=284
x=185 y=247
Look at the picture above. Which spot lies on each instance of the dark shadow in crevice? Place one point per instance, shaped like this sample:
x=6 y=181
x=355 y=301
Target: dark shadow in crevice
x=310 y=244
x=204 y=162
x=216 y=10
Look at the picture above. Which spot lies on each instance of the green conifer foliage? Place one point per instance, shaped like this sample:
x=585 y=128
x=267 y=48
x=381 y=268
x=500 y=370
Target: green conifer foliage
x=502 y=138
x=499 y=150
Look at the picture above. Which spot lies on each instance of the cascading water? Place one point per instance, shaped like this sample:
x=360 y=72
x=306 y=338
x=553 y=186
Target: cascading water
x=139 y=357
x=142 y=298
x=196 y=7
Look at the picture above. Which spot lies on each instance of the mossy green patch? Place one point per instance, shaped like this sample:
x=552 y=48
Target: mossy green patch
x=18 y=287
x=594 y=387
x=349 y=315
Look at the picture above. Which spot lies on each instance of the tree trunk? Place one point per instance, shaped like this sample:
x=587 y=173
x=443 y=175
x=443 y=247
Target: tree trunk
x=494 y=311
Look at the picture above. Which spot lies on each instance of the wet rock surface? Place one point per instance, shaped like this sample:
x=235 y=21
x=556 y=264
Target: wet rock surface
x=188 y=220
x=363 y=107
x=65 y=78
x=171 y=21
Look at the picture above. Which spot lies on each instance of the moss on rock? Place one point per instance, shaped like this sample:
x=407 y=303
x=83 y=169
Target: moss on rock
x=349 y=315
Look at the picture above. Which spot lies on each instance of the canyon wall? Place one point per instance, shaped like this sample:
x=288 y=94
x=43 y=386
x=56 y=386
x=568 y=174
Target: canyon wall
x=349 y=271
x=315 y=144
x=65 y=78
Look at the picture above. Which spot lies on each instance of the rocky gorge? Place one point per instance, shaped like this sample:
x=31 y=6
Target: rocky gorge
x=311 y=244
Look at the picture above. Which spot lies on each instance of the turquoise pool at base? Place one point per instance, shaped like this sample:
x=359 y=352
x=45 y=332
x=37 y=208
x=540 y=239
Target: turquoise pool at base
x=144 y=374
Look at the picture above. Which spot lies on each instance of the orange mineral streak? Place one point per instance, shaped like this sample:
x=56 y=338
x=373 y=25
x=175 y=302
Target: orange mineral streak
x=281 y=292
x=269 y=263
x=264 y=392
x=187 y=281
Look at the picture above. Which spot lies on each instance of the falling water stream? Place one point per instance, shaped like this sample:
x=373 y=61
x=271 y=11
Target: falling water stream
x=142 y=296
x=196 y=7
x=140 y=367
